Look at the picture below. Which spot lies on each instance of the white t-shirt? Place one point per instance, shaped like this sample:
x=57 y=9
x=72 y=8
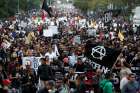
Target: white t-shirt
x=51 y=55
x=72 y=59
x=123 y=82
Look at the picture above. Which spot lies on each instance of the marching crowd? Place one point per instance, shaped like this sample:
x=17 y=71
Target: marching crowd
x=64 y=68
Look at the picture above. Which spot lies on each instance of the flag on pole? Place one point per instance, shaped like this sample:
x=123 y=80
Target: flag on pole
x=100 y=54
x=121 y=36
x=46 y=8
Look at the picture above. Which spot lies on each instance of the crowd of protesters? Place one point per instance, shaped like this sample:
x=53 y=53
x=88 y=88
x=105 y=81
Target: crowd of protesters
x=64 y=67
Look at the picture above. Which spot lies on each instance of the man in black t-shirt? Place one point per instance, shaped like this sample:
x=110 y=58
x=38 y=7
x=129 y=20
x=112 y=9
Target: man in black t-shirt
x=44 y=71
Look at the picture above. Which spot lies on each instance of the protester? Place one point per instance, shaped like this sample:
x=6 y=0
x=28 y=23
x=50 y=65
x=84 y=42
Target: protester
x=2 y=76
x=79 y=66
x=4 y=81
x=124 y=69
x=65 y=86
x=132 y=85
x=106 y=84
x=96 y=80
x=15 y=76
x=124 y=80
x=60 y=43
x=29 y=80
x=44 y=90
x=44 y=72
x=80 y=86
x=49 y=87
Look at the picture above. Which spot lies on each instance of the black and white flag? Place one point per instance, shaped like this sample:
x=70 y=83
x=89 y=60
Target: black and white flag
x=101 y=55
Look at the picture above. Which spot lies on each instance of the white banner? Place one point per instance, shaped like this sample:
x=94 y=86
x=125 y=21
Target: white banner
x=52 y=30
x=34 y=61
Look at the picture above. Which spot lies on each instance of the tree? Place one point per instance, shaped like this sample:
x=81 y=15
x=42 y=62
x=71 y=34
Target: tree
x=91 y=4
x=3 y=8
x=102 y=4
x=10 y=7
x=82 y=4
x=33 y=4
x=96 y=4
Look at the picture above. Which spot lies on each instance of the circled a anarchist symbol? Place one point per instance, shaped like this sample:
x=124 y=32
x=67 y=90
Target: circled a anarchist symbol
x=98 y=52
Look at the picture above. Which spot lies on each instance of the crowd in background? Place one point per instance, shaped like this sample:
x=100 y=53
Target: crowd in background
x=64 y=67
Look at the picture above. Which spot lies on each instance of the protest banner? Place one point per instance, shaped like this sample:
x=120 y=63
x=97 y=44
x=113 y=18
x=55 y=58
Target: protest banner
x=52 y=30
x=82 y=23
x=34 y=62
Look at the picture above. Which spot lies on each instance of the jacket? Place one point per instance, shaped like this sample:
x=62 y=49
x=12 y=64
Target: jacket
x=45 y=72
x=107 y=86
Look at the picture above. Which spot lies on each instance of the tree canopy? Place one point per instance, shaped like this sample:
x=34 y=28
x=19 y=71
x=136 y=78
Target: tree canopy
x=10 y=7
x=102 y=4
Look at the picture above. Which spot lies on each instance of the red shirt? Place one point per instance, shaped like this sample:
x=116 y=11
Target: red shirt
x=39 y=28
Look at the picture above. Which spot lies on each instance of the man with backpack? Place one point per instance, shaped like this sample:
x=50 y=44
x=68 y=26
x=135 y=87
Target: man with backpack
x=106 y=85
